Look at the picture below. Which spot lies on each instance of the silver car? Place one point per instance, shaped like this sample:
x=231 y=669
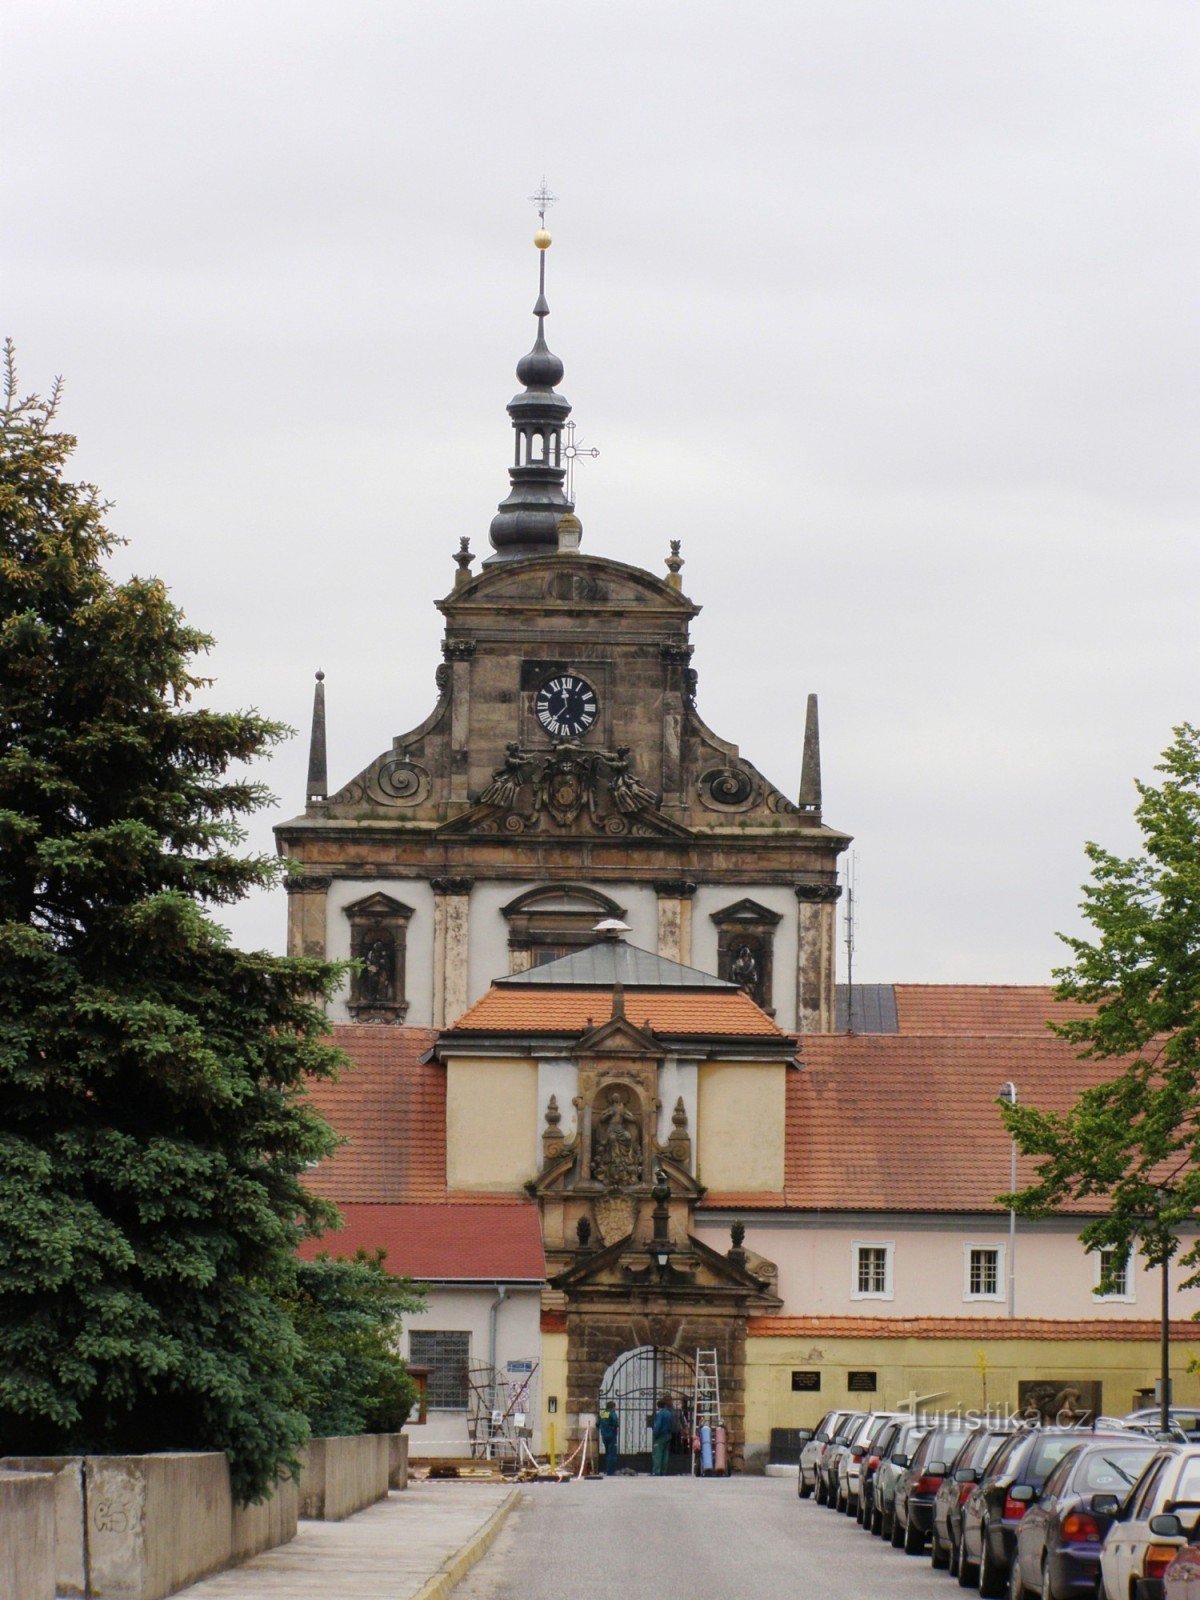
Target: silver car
x=887 y=1475
x=850 y=1461
x=827 y=1466
x=814 y=1449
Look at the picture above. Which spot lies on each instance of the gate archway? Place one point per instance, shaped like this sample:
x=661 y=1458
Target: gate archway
x=633 y=1384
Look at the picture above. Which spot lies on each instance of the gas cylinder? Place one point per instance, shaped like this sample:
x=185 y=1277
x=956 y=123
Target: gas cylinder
x=706 y=1448
x=720 y=1452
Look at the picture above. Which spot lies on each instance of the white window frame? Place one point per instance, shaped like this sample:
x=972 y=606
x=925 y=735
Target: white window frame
x=999 y=1250
x=888 y=1246
x=1129 y=1298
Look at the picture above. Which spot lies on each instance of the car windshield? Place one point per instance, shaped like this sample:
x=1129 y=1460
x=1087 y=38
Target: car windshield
x=1045 y=1453
x=909 y=1439
x=1111 y=1470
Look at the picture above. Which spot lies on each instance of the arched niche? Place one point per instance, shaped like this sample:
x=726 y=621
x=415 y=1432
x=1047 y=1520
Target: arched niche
x=553 y=919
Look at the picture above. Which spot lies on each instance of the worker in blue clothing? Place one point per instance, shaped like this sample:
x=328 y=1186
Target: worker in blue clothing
x=662 y=1426
x=610 y=1435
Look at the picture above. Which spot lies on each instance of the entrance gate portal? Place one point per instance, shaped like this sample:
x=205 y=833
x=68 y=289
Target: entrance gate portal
x=633 y=1385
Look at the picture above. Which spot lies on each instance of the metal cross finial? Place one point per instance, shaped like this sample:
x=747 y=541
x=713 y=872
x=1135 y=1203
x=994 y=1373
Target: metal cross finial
x=571 y=453
x=543 y=199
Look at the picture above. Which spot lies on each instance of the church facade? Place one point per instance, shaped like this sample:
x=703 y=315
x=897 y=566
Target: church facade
x=605 y=1101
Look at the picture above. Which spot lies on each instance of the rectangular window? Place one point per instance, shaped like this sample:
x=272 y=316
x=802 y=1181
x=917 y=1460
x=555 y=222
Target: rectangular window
x=872 y=1277
x=447 y=1354
x=983 y=1278
x=1114 y=1266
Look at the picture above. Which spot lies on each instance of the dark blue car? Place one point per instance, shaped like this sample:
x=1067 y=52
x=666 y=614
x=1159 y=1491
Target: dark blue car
x=1058 y=1540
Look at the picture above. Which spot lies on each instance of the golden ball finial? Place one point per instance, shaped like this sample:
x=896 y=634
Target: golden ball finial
x=542 y=239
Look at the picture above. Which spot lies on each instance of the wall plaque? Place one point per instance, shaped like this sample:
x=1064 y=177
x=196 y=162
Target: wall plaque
x=861 y=1382
x=805 y=1381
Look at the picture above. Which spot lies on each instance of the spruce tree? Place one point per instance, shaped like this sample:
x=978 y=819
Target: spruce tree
x=153 y=1128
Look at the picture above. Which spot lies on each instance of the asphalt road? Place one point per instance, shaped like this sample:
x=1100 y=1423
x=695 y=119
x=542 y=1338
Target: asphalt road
x=708 y=1539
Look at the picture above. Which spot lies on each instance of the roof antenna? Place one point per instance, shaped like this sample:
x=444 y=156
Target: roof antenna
x=851 y=880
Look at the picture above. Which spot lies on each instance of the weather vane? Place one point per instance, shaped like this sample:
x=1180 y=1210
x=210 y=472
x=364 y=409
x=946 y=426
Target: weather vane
x=543 y=199
x=571 y=454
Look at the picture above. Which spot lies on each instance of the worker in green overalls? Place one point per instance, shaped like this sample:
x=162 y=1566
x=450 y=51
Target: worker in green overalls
x=610 y=1436
x=662 y=1427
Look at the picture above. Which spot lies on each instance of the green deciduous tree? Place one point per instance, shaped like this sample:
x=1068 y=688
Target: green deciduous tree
x=153 y=1129
x=347 y=1313
x=1133 y=1140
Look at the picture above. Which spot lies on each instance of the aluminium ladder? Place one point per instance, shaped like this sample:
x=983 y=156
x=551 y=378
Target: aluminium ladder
x=707 y=1404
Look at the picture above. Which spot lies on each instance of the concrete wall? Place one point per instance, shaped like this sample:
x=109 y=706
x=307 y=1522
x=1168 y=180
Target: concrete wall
x=491 y=1124
x=554 y=1385
x=459 y=1308
x=135 y=1544
x=397 y=1460
x=1055 y=1276
x=26 y=1536
x=342 y=1474
x=740 y=1143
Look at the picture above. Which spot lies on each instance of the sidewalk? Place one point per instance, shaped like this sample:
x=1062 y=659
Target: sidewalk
x=418 y=1541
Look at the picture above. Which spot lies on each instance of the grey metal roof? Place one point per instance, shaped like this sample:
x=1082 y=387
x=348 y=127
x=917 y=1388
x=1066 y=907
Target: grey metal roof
x=873 y=1011
x=609 y=961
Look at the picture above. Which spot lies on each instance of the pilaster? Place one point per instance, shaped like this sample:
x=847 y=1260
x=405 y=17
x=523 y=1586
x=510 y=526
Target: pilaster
x=675 y=919
x=451 y=929
x=307 y=902
x=815 y=964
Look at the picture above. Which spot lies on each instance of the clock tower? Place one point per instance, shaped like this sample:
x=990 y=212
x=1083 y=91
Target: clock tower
x=563 y=777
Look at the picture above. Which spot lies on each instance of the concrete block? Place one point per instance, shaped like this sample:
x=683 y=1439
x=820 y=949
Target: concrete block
x=26 y=1536
x=397 y=1460
x=262 y=1527
x=70 y=1568
x=342 y=1474
x=156 y=1522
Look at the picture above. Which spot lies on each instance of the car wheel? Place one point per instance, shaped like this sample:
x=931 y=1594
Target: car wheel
x=819 y=1495
x=876 y=1523
x=991 y=1580
x=897 y=1532
x=914 y=1539
x=939 y=1556
x=1048 y=1586
x=806 y=1488
x=1016 y=1589
x=953 y=1554
x=965 y=1571
x=852 y=1507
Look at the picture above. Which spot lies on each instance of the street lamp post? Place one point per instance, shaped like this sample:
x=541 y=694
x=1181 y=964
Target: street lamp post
x=1009 y=1096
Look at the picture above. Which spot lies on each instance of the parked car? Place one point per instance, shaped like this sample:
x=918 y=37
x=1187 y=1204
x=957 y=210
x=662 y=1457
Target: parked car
x=850 y=1461
x=968 y=1467
x=814 y=1449
x=1155 y=1521
x=887 y=1475
x=912 y=1510
x=880 y=1447
x=1057 y=1554
x=827 y=1465
x=995 y=1506
x=1182 y=1417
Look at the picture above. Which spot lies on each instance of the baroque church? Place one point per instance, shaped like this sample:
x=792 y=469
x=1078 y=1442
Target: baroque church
x=595 y=1027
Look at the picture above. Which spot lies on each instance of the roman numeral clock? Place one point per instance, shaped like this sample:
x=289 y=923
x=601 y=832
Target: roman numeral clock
x=566 y=706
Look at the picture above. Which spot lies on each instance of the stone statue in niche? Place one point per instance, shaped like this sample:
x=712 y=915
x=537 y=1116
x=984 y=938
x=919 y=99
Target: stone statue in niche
x=744 y=970
x=377 y=980
x=617 y=1145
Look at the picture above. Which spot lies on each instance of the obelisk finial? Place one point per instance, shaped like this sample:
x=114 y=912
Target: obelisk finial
x=810 y=771
x=318 y=772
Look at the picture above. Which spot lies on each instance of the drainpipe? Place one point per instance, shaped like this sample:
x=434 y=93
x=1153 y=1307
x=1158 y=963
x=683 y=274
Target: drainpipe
x=493 y=1309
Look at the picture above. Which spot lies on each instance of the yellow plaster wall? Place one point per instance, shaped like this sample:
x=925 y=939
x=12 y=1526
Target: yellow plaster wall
x=491 y=1124
x=944 y=1374
x=740 y=1132
x=554 y=1382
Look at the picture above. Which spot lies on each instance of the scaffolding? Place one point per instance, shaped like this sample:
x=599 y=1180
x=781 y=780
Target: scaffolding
x=501 y=1403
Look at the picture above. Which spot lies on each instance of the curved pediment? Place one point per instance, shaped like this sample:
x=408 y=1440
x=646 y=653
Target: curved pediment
x=568 y=581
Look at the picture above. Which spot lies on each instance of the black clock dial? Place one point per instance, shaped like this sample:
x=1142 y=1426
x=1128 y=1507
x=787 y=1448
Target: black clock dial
x=566 y=706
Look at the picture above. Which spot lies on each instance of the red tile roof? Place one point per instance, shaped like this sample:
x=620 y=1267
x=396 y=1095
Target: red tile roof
x=391 y=1109
x=980 y=1008
x=689 y=1012
x=900 y=1122
x=443 y=1242
x=961 y=1328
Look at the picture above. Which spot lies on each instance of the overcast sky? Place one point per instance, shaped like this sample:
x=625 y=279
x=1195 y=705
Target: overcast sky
x=887 y=310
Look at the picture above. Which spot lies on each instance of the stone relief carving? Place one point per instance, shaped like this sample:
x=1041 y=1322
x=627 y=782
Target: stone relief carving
x=564 y=782
x=727 y=789
x=400 y=782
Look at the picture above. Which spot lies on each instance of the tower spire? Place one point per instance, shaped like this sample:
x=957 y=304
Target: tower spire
x=318 y=772
x=526 y=523
x=810 y=772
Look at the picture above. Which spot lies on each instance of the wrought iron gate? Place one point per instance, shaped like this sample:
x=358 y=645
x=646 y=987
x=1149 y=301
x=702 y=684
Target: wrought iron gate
x=634 y=1384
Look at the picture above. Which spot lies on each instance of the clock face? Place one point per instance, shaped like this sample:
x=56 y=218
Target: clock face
x=566 y=706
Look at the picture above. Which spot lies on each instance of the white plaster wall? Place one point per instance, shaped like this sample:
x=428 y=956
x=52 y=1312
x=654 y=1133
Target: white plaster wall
x=518 y=1338
x=418 y=972
x=1055 y=1276
x=675 y=1078
x=712 y=897
x=488 y=937
x=560 y=1078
